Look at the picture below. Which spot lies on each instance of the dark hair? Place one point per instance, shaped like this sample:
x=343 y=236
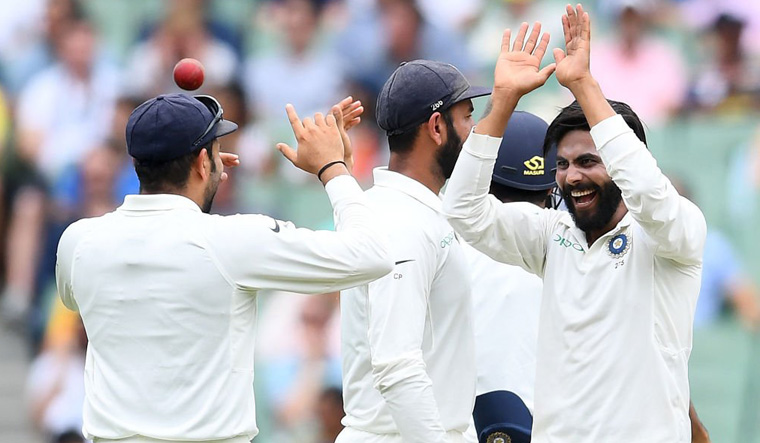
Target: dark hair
x=571 y=118
x=403 y=142
x=171 y=175
x=69 y=436
x=507 y=194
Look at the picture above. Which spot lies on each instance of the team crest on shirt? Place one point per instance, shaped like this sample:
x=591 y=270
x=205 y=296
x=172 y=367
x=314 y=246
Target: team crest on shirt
x=618 y=246
x=499 y=437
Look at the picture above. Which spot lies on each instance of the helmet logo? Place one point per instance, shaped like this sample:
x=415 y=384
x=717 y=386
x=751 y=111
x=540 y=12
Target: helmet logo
x=535 y=166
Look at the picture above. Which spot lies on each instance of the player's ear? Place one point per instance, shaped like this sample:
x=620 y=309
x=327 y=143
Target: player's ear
x=201 y=166
x=434 y=128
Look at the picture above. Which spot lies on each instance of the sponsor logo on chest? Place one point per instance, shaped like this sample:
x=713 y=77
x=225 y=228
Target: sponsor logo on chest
x=448 y=240
x=567 y=243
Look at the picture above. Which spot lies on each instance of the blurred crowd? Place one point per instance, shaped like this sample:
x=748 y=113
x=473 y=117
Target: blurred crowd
x=71 y=71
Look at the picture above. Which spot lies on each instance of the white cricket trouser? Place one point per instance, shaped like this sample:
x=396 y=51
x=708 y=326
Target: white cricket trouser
x=141 y=439
x=352 y=435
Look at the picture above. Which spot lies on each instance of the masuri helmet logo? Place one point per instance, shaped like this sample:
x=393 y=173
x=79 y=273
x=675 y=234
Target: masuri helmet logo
x=535 y=166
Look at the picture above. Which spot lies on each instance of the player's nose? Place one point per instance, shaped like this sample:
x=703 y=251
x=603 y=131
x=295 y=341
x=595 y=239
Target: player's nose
x=573 y=175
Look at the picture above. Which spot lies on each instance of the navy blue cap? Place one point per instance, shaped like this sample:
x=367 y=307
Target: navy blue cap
x=419 y=88
x=521 y=163
x=172 y=125
x=502 y=414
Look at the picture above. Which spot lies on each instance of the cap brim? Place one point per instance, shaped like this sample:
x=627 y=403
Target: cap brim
x=473 y=92
x=225 y=127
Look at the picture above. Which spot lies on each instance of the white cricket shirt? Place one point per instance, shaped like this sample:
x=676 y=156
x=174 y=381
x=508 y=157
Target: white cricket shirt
x=505 y=306
x=168 y=298
x=616 y=318
x=407 y=340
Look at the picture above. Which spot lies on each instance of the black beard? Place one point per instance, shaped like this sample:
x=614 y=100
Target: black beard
x=208 y=201
x=610 y=198
x=208 y=197
x=449 y=153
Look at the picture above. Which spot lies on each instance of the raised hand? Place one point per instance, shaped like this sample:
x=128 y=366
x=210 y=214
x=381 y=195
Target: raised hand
x=573 y=64
x=517 y=73
x=517 y=68
x=347 y=115
x=319 y=142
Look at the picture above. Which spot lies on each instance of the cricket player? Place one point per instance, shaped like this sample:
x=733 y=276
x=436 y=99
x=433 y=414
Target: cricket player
x=407 y=339
x=507 y=299
x=621 y=270
x=167 y=292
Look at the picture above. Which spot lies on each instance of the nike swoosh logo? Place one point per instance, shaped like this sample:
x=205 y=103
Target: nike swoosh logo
x=404 y=261
x=276 y=227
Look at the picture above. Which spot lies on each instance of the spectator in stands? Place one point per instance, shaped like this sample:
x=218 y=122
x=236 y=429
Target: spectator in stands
x=374 y=43
x=729 y=81
x=29 y=31
x=305 y=363
x=102 y=179
x=743 y=200
x=638 y=68
x=724 y=280
x=451 y=15
x=184 y=32
x=251 y=143
x=62 y=114
x=298 y=69
x=55 y=386
x=701 y=14
x=330 y=413
x=22 y=212
x=66 y=110
x=5 y=126
x=404 y=35
x=498 y=14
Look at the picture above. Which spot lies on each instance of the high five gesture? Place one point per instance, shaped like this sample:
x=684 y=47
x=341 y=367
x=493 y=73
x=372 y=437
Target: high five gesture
x=573 y=66
x=517 y=73
x=573 y=63
x=517 y=68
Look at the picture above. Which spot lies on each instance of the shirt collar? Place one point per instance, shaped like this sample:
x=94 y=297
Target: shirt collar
x=157 y=202
x=581 y=236
x=401 y=183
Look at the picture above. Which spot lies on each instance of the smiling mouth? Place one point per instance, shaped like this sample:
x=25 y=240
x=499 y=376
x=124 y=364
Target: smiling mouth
x=584 y=198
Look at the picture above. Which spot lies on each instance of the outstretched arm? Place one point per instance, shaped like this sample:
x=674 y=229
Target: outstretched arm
x=675 y=226
x=301 y=260
x=511 y=234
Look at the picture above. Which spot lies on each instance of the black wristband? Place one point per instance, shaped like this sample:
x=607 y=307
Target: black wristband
x=324 y=168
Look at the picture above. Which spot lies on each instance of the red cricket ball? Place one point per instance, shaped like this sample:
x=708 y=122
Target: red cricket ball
x=188 y=74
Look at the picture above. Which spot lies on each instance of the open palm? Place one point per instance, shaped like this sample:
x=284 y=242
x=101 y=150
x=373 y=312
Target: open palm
x=517 y=68
x=573 y=64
